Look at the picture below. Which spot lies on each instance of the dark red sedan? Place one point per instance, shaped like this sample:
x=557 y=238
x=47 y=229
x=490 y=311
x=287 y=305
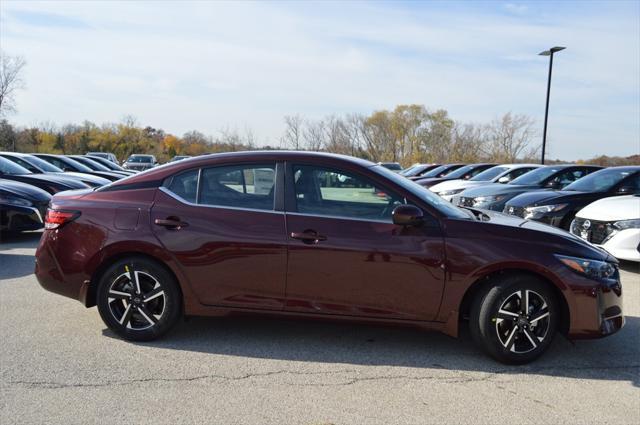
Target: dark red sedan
x=308 y=235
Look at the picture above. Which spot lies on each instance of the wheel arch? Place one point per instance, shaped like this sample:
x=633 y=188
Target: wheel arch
x=485 y=280
x=91 y=297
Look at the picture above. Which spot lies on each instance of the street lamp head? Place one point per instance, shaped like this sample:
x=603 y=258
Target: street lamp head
x=551 y=51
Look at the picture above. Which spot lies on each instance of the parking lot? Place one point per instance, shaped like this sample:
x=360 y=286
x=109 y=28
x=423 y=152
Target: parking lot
x=60 y=364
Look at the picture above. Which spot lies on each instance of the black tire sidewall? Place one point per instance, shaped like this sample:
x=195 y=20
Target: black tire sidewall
x=485 y=308
x=173 y=299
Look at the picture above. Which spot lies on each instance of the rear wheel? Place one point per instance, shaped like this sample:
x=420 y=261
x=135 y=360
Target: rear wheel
x=138 y=299
x=514 y=319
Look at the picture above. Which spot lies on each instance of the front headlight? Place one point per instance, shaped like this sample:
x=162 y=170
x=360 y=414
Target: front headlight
x=593 y=269
x=627 y=224
x=484 y=200
x=7 y=199
x=449 y=192
x=541 y=210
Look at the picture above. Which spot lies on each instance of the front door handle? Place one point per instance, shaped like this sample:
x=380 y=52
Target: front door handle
x=173 y=223
x=308 y=236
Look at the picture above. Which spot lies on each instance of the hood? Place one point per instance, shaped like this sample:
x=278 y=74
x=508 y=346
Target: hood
x=96 y=180
x=457 y=184
x=612 y=209
x=566 y=242
x=24 y=190
x=496 y=189
x=42 y=179
x=550 y=197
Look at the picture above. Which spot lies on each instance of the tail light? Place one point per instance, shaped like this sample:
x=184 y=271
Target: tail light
x=57 y=218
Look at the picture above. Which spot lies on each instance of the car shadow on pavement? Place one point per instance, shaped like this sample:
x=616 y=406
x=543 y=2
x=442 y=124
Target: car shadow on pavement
x=630 y=266
x=21 y=265
x=19 y=240
x=614 y=358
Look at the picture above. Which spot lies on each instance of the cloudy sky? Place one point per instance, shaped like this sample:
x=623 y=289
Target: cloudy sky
x=214 y=65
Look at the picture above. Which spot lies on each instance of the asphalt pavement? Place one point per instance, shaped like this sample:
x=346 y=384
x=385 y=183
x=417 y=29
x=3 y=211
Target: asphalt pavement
x=60 y=364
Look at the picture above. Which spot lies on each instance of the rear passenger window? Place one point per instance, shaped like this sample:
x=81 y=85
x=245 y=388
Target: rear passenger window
x=184 y=185
x=239 y=186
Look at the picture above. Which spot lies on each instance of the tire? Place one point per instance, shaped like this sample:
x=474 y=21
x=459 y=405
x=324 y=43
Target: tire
x=500 y=329
x=138 y=315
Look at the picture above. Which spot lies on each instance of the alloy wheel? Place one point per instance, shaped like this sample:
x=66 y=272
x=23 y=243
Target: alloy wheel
x=522 y=322
x=136 y=299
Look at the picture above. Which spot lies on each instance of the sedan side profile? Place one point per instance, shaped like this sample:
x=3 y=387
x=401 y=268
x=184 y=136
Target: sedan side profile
x=281 y=233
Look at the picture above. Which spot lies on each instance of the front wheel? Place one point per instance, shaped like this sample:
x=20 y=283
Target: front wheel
x=138 y=299
x=515 y=319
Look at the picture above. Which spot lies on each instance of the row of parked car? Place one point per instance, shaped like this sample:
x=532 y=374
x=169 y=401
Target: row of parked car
x=601 y=205
x=587 y=200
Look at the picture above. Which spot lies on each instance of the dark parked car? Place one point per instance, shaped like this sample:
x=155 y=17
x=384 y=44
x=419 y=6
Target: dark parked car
x=417 y=170
x=462 y=173
x=96 y=166
x=22 y=206
x=113 y=166
x=11 y=171
x=276 y=233
x=440 y=171
x=68 y=164
x=495 y=196
x=393 y=166
x=179 y=157
x=40 y=166
x=105 y=155
x=140 y=162
x=558 y=208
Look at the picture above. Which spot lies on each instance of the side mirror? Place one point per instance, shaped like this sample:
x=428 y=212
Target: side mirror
x=67 y=169
x=407 y=215
x=504 y=179
x=625 y=190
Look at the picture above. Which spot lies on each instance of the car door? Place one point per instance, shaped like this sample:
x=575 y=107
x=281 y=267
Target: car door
x=346 y=257
x=221 y=226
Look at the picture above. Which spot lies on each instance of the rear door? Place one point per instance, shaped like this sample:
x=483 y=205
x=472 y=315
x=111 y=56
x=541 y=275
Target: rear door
x=221 y=225
x=346 y=257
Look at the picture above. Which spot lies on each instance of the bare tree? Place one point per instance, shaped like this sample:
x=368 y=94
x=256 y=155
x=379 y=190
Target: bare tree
x=509 y=137
x=293 y=131
x=314 y=135
x=10 y=80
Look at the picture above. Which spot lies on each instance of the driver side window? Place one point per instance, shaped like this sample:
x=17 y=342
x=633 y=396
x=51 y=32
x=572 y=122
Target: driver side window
x=330 y=192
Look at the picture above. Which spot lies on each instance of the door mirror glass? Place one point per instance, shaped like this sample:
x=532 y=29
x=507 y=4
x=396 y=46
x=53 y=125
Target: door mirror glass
x=407 y=215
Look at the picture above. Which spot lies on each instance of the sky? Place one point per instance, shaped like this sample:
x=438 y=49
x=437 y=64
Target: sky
x=214 y=66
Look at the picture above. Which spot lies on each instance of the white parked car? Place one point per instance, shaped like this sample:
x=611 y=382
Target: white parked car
x=499 y=174
x=613 y=224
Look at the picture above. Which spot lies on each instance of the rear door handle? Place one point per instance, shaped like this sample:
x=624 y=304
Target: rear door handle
x=308 y=236
x=172 y=223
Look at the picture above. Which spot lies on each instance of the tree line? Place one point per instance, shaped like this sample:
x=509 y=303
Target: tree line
x=406 y=134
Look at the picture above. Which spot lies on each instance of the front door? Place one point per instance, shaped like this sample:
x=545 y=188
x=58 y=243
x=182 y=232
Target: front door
x=346 y=257
x=221 y=226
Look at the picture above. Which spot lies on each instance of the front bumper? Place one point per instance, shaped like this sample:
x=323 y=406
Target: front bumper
x=15 y=218
x=624 y=245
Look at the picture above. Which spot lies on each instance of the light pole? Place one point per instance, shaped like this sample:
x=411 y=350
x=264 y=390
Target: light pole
x=549 y=53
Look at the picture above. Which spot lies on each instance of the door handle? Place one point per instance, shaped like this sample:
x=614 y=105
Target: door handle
x=308 y=236
x=173 y=223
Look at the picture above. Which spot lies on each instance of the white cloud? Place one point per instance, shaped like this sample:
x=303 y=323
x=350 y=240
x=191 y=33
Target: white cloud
x=206 y=66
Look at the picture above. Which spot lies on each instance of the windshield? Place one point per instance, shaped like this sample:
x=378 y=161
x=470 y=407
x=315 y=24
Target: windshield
x=434 y=172
x=423 y=193
x=600 y=181
x=408 y=171
x=140 y=158
x=11 y=168
x=42 y=164
x=490 y=174
x=462 y=171
x=94 y=165
x=536 y=176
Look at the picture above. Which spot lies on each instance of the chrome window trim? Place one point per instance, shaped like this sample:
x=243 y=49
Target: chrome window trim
x=340 y=217
x=222 y=207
